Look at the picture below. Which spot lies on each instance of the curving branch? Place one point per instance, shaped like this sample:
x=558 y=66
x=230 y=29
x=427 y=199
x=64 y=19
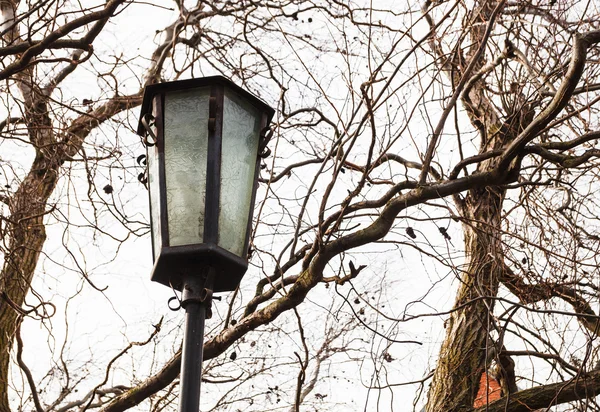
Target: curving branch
x=458 y=91
x=581 y=44
x=28 y=50
x=532 y=293
x=27 y=372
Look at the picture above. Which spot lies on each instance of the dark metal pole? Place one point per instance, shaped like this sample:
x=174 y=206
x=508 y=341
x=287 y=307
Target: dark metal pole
x=196 y=299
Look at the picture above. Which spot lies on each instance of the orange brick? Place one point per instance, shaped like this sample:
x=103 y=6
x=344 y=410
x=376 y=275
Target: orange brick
x=489 y=391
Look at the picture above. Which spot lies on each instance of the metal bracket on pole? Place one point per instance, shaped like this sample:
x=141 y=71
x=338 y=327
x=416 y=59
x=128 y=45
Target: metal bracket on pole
x=199 y=289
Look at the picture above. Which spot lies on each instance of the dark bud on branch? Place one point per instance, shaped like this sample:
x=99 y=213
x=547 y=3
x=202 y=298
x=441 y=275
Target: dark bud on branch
x=509 y=47
x=444 y=233
x=355 y=271
x=410 y=232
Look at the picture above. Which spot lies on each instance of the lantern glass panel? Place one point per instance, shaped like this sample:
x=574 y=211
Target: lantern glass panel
x=154 y=187
x=241 y=130
x=185 y=146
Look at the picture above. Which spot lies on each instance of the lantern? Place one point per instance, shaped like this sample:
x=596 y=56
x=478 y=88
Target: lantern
x=204 y=139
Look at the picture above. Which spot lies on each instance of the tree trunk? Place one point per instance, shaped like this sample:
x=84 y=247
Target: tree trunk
x=26 y=237
x=464 y=352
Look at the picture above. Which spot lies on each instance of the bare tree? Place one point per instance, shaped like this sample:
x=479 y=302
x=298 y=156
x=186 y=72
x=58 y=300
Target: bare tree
x=431 y=164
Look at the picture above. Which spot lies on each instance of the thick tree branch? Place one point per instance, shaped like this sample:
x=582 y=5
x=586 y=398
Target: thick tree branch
x=304 y=283
x=539 y=397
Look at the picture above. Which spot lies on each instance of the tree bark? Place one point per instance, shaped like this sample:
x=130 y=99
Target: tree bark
x=464 y=351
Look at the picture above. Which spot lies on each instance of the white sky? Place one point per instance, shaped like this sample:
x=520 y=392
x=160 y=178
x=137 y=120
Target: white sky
x=100 y=324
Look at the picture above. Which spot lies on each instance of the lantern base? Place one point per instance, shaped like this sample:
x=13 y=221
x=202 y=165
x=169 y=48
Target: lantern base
x=174 y=263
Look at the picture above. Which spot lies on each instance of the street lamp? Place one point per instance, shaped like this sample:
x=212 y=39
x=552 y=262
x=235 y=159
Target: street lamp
x=204 y=140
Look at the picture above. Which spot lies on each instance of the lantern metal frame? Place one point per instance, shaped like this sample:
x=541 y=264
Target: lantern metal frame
x=172 y=264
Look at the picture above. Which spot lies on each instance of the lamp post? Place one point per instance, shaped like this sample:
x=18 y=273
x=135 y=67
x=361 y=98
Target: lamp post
x=204 y=140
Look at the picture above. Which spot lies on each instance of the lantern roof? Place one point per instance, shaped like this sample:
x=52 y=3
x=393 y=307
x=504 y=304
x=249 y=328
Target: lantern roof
x=152 y=90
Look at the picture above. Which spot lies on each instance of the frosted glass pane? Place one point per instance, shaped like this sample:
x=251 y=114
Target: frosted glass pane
x=241 y=128
x=154 y=197
x=186 y=138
